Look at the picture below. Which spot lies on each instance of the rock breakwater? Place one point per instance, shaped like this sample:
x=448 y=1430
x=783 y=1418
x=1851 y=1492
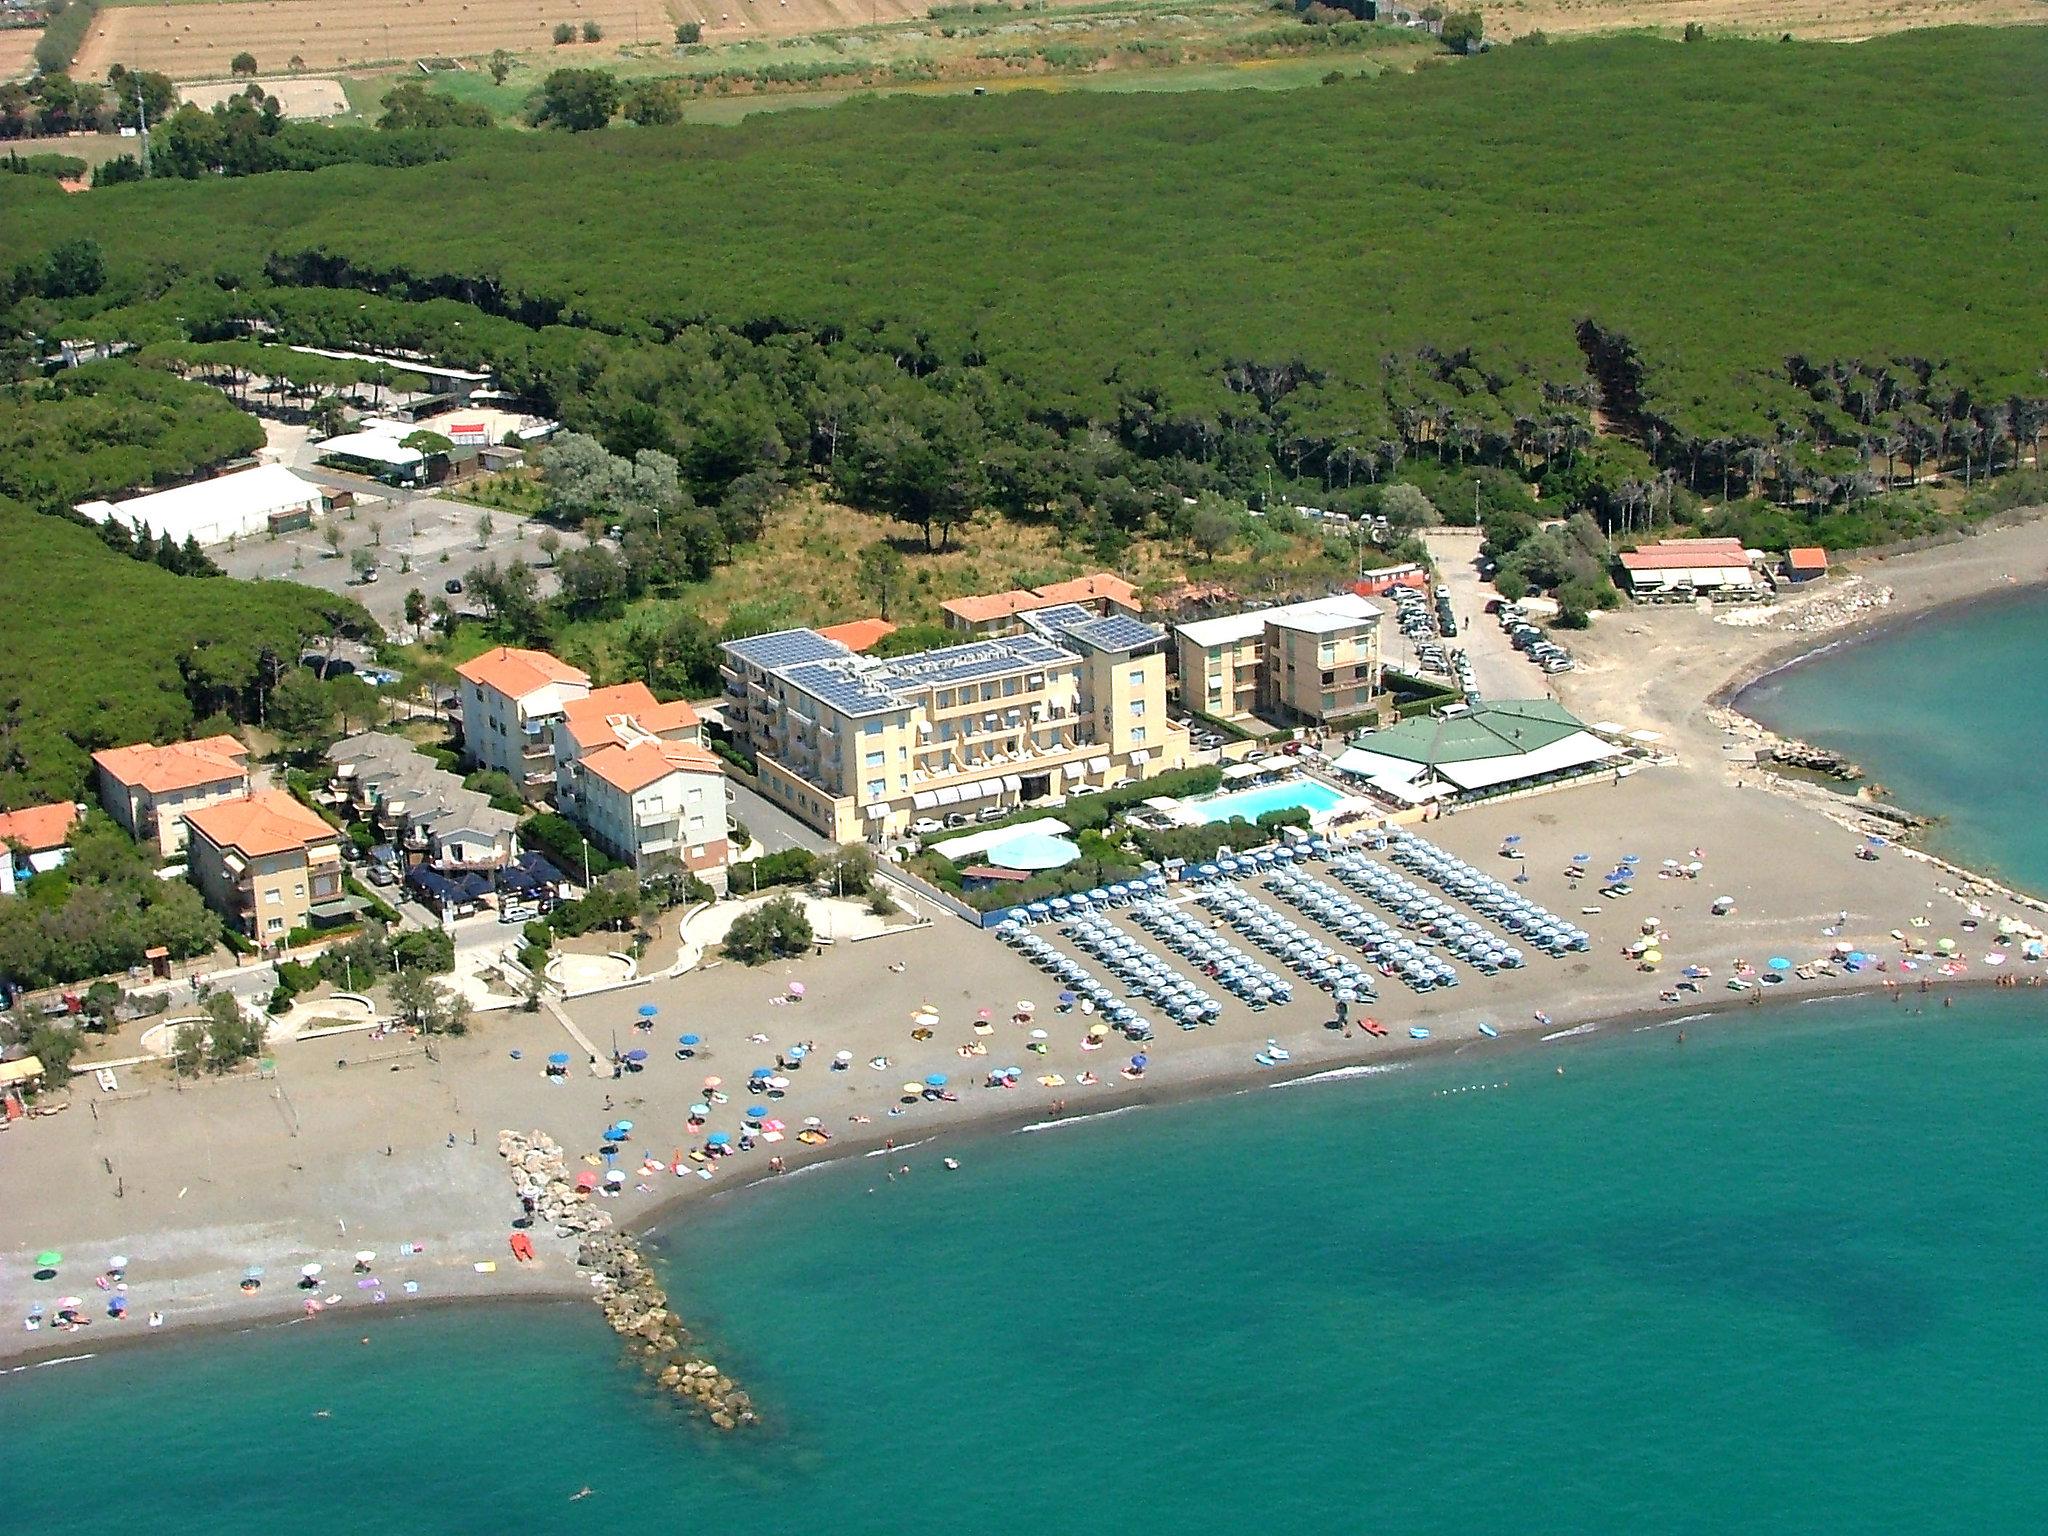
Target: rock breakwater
x=634 y=1303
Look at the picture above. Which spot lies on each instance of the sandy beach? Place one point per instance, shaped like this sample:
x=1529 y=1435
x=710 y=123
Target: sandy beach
x=347 y=1145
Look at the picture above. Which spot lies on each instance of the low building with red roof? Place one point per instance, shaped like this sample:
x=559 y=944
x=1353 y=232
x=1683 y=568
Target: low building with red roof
x=1685 y=566
x=1807 y=562
x=1002 y=613
x=859 y=635
x=150 y=790
x=33 y=841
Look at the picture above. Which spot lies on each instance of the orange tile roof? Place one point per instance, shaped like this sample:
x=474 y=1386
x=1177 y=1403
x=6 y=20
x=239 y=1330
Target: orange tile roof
x=1807 y=557
x=993 y=605
x=589 y=719
x=181 y=765
x=1085 y=589
x=631 y=769
x=1680 y=554
x=858 y=634
x=269 y=821
x=38 y=828
x=516 y=673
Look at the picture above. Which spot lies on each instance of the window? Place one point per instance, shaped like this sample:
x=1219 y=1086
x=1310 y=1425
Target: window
x=273 y=925
x=299 y=889
x=1137 y=735
x=877 y=788
x=1137 y=708
x=872 y=760
x=1137 y=677
x=273 y=897
x=872 y=728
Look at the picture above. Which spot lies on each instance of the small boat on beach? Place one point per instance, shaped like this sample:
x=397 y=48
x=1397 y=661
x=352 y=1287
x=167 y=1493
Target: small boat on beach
x=1417 y=1032
x=1489 y=1031
x=1374 y=1028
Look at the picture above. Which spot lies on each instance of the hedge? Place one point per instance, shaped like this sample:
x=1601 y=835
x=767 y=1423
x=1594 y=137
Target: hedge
x=558 y=838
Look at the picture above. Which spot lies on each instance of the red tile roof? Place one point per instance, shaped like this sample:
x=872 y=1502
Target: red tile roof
x=1807 y=557
x=269 y=821
x=589 y=720
x=858 y=634
x=1681 y=554
x=516 y=673
x=38 y=828
x=631 y=769
x=993 y=605
x=181 y=765
x=1086 y=589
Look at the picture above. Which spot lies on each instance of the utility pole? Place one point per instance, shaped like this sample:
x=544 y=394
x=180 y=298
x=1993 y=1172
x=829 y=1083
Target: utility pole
x=142 y=119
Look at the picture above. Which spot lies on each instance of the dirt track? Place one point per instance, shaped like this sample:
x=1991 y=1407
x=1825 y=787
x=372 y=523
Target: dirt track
x=1802 y=18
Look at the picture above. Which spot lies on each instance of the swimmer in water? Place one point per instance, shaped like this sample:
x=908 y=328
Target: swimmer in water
x=581 y=1493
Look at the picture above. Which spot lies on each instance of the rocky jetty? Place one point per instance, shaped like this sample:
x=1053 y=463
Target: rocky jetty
x=627 y=1290
x=1811 y=759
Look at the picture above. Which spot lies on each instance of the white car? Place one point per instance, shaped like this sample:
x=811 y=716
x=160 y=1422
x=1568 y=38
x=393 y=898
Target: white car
x=924 y=826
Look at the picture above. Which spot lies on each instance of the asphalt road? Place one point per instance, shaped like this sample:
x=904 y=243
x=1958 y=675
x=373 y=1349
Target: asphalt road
x=1499 y=670
x=773 y=828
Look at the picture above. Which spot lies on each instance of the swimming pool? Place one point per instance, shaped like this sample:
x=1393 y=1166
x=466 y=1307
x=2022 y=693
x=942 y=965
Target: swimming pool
x=1251 y=804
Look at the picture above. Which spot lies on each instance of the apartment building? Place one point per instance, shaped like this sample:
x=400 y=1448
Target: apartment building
x=1003 y=613
x=150 y=790
x=418 y=807
x=33 y=841
x=510 y=700
x=861 y=748
x=1312 y=661
x=634 y=773
x=267 y=864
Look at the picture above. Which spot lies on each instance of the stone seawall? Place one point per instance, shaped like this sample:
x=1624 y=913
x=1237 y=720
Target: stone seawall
x=625 y=1285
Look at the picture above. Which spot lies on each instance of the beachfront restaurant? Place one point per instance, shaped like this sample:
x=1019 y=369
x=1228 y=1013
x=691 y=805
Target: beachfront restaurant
x=1489 y=750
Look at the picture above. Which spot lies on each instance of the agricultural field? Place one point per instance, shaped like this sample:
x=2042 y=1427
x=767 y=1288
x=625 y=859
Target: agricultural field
x=1824 y=19
x=17 y=51
x=298 y=97
x=196 y=39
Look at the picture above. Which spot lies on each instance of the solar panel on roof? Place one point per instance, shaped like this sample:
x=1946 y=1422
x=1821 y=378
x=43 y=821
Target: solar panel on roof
x=785 y=648
x=1119 y=632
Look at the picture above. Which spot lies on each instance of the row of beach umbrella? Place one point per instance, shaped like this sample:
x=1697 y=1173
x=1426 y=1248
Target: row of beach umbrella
x=1417 y=964
x=1076 y=980
x=1289 y=943
x=1060 y=908
x=1143 y=972
x=1491 y=898
x=1232 y=968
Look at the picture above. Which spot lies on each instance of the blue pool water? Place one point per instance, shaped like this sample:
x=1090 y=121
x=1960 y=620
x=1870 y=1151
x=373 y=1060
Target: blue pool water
x=1251 y=804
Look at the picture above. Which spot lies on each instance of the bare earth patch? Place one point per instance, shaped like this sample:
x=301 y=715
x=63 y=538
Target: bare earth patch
x=296 y=98
x=1802 y=18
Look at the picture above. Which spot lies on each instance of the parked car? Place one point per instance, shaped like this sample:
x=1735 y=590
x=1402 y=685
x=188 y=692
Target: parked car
x=925 y=826
x=992 y=813
x=517 y=912
x=452 y=586
x=1082 y=789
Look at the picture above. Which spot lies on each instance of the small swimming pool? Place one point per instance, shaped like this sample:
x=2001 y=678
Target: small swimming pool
x=1251 y=804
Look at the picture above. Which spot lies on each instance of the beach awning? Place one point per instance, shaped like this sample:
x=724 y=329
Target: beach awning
x=1014 y=783
x=924 y=799
x=1098 y=765
x=877 y=812
x=1140 y=756
x=26 y=1069
x=1073 y=770
x=1578 y=750
x=1235 y=771
x=949 y=794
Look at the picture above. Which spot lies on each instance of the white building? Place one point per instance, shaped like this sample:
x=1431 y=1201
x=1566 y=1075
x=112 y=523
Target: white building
x=214 y=511
x=510 y=700
x=634 y=773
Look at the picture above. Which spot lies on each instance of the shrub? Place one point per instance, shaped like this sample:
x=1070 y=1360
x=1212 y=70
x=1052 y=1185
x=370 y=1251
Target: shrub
x=558 y=838
x=774 y=930
x=564 y=33
x=592 y=32
x=690 y=32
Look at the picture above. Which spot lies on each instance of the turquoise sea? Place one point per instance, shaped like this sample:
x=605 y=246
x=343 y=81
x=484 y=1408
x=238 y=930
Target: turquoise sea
x=1790 y=1275
x=1946 y=712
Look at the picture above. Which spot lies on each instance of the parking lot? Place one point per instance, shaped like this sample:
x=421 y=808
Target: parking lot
x=1497 y=669
x=417 y=539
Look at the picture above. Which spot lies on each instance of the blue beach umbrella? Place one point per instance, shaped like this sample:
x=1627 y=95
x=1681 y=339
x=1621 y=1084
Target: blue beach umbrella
x=1631 y=858
x=717 y=1139
x=936 y=1080
x=1581 y=858
x=1779 y=963
x=761 y=1073
x=636 y=1055
x=648 y=1010
x=1141 y=1061
x=614 y=1134
x=689 y=1040
x=558 y=1059
x=756 y=1112
x=700 y=1109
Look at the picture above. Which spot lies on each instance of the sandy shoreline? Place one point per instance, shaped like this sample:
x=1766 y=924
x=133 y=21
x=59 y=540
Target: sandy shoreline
x=200 y=1182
